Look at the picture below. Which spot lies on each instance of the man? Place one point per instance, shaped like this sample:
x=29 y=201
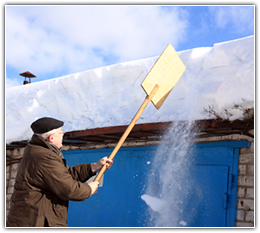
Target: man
x=44 y=183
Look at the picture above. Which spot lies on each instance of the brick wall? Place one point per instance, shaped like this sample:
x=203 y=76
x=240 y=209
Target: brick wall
x=245 y=183
x=245 y=188
x=13 y=158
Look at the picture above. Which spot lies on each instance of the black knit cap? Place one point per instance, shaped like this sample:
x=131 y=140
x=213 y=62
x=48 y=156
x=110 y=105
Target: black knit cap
x=45 y=124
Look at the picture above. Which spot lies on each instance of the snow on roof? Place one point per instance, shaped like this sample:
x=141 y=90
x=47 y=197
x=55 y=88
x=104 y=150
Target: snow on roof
x=218 y=76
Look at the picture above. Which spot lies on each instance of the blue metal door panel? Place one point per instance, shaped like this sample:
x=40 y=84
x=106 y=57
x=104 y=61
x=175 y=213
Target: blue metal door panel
x=205 y=204
x=213 y=156
x=118 y=203
x=222 y=153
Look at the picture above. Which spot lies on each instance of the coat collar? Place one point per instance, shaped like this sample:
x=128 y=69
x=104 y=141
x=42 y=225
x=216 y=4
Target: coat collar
x=36 y=140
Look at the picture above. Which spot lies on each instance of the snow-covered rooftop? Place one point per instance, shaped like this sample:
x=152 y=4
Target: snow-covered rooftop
x=218 y=76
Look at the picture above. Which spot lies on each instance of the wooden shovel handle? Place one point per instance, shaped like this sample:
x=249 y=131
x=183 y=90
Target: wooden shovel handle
x=128 y=130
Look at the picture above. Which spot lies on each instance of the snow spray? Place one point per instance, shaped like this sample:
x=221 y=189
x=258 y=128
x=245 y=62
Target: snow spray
x=168 y=184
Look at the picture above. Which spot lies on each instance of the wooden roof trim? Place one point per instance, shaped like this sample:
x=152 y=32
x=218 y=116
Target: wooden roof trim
x=147 y=129
x=117 y=130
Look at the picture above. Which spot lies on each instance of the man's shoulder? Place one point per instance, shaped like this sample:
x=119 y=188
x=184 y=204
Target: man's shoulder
x=40 y=153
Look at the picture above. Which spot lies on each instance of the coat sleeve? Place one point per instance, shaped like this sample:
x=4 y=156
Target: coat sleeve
x=57 y=178
x=81 y=172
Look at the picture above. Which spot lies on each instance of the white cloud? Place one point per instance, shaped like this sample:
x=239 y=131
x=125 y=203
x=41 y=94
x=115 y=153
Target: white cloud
x=240 y=17
x=12 y=83
x=75 y=38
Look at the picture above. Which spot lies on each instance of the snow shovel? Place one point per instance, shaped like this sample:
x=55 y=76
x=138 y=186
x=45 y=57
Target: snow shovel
x=157 y=84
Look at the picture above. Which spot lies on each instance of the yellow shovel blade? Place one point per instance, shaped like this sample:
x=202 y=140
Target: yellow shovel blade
x=166 y=72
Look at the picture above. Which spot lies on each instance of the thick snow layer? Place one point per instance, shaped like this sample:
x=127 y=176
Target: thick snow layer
x=218 y=76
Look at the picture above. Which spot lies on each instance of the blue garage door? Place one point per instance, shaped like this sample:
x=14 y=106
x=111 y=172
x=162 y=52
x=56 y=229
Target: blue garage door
x=206 y=203
x=118 y=203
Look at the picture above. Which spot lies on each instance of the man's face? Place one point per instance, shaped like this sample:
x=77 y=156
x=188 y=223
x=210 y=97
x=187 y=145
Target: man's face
x=57 y=138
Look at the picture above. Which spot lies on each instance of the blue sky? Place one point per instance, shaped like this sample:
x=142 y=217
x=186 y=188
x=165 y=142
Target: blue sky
x=55 y=40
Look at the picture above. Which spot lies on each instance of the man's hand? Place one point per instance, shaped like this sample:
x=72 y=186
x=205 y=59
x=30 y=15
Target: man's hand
x=98 y=165
x=94 y=187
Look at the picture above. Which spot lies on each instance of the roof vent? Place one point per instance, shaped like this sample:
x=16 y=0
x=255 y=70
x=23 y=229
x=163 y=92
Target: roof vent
x=28 y=75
